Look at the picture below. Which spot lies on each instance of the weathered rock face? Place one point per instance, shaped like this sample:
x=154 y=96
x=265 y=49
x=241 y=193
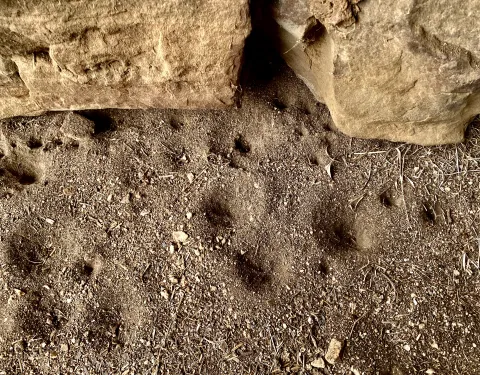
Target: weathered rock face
x=57 y=55
x=403 y=70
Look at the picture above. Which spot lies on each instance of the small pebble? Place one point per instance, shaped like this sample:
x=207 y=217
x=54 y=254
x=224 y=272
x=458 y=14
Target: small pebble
x=318 y=363
x=125 y=199
x=19 y=292
x=179 y=236
x=334 y=349
x=164 y=293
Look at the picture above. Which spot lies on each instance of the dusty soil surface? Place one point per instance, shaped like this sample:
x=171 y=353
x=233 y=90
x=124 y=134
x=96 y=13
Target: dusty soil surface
x=297 y=236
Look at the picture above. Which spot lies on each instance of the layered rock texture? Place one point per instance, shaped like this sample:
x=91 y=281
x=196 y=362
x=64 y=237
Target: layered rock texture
x=404 y=70
x=58 y=55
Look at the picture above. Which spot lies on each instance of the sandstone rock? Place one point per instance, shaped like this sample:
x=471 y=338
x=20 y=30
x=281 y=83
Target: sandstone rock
x=57 y=55
x=395 y=69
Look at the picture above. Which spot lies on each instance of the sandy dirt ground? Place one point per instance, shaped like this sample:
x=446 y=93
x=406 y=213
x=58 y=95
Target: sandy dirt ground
x=255 y=240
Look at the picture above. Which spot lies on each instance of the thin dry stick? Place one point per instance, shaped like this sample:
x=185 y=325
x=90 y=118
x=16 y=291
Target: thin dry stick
x=354 y=324
x=456 y=159
x=401 y=165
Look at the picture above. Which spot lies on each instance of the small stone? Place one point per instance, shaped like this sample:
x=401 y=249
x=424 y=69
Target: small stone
x=19 y=292
x=334 y=350
x=190 y=177
x=64 y=347
x=430 y=371
x=328 y=169
x=183 y=282
x=164 y=293
x=189 y=215
x=406 y=347
x=126 y=199
x=179 y=236
x=318 y=363
x=183 y=159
